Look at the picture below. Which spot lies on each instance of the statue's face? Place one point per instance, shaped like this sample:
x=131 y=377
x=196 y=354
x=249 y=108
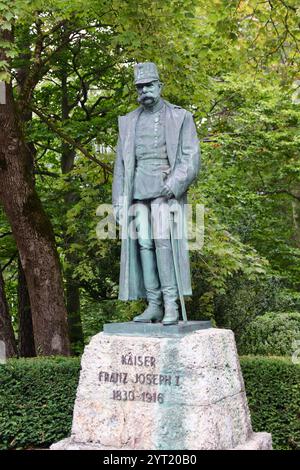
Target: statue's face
x=149 y=93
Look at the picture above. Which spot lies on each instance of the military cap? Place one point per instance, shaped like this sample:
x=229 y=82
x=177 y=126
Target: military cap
x=145 y=72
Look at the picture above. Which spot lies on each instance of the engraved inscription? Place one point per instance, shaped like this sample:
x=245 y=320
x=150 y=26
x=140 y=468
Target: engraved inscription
x=145 y=361
x=130 y=395
x=114 y=377
x=138 y=380
x=156 y=379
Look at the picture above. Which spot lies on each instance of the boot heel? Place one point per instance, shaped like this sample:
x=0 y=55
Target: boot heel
x=167 y=323
x=156 y=320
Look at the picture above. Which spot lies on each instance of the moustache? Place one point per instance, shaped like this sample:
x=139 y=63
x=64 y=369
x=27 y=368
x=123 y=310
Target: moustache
x=145 y=97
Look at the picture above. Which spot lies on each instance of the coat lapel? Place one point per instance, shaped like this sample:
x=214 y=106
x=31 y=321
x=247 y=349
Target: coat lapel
x=128 y=132
x=174 y=120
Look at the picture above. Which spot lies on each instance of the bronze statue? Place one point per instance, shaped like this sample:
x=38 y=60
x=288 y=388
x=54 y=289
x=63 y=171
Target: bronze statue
x=157 y=159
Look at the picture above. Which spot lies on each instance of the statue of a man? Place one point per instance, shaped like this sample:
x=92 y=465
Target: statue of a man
x=157 y=160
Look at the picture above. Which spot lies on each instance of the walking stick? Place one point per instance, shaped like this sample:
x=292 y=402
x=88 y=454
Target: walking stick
x=174 y=244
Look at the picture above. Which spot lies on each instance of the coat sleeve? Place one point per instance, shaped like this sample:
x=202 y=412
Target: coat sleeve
x=188 y=159
x=118 y=182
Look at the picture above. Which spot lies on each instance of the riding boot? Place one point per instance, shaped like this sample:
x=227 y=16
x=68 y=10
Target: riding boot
x=168 y=284
x=154 y=311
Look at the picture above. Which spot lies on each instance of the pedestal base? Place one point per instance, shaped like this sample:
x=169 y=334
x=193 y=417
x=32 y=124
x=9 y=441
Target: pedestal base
x=258 y=441
x=162 y=393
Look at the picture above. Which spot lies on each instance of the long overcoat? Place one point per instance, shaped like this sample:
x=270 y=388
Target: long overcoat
x=184 y=159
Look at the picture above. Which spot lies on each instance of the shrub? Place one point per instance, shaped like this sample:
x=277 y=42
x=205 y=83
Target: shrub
x=246 y=299
x=272 y=334
x=273 y=392
x=37 y=399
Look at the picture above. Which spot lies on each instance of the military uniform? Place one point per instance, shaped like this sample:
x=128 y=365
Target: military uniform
x=157 y=159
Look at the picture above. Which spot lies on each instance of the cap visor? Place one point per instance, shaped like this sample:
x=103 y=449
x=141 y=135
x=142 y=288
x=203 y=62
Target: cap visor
x=145 y=80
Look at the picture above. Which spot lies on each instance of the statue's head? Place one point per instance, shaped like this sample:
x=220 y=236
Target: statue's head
x=147 y=83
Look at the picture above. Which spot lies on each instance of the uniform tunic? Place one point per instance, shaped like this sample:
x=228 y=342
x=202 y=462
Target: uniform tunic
x=150 y=154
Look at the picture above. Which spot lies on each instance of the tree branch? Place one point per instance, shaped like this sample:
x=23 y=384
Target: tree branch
x=10 y=261
x=47 y=148
x=46 y=173
x=69 y=139
x=34 y=72
x=278 y=191
x=288 y=6
x=2 y=235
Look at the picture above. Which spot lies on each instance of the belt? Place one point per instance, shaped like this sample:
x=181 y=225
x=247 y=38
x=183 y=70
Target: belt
x=149 y=161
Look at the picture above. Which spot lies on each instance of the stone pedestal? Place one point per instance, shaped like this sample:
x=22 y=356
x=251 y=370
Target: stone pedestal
x=179 y=392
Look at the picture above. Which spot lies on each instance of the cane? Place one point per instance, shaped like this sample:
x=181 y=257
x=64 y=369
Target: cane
x=177 y=270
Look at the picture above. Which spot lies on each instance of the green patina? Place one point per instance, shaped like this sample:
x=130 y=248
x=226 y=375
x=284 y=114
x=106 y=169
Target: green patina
x=170 y=427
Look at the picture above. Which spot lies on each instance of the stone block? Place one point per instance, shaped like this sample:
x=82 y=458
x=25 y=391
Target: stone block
x=165 y=393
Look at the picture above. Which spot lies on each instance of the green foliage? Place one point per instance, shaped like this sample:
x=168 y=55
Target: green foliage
x=273 y=334
x=244 y=300
x=222 y=258
x=234 y=65
x=37 y=399
x=7 y=50
x=251 y=169
x=95 y=313
x=273 y=392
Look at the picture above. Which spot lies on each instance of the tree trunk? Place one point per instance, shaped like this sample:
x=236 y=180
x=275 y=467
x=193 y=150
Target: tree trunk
x=6 y=330
x=296 y=216
x=70 y=198
x=33 y=233
x=26 y=337
x=74 y=318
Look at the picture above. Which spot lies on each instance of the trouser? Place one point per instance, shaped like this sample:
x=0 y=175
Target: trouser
x=152 y=221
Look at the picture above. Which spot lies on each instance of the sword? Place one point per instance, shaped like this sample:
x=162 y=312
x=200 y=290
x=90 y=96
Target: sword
x=174 y=244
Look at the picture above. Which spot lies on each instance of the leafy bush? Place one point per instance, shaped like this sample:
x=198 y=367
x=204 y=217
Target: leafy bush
x=244 y=300
x=271 y=334
x=273 y=392
x=37 y=399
